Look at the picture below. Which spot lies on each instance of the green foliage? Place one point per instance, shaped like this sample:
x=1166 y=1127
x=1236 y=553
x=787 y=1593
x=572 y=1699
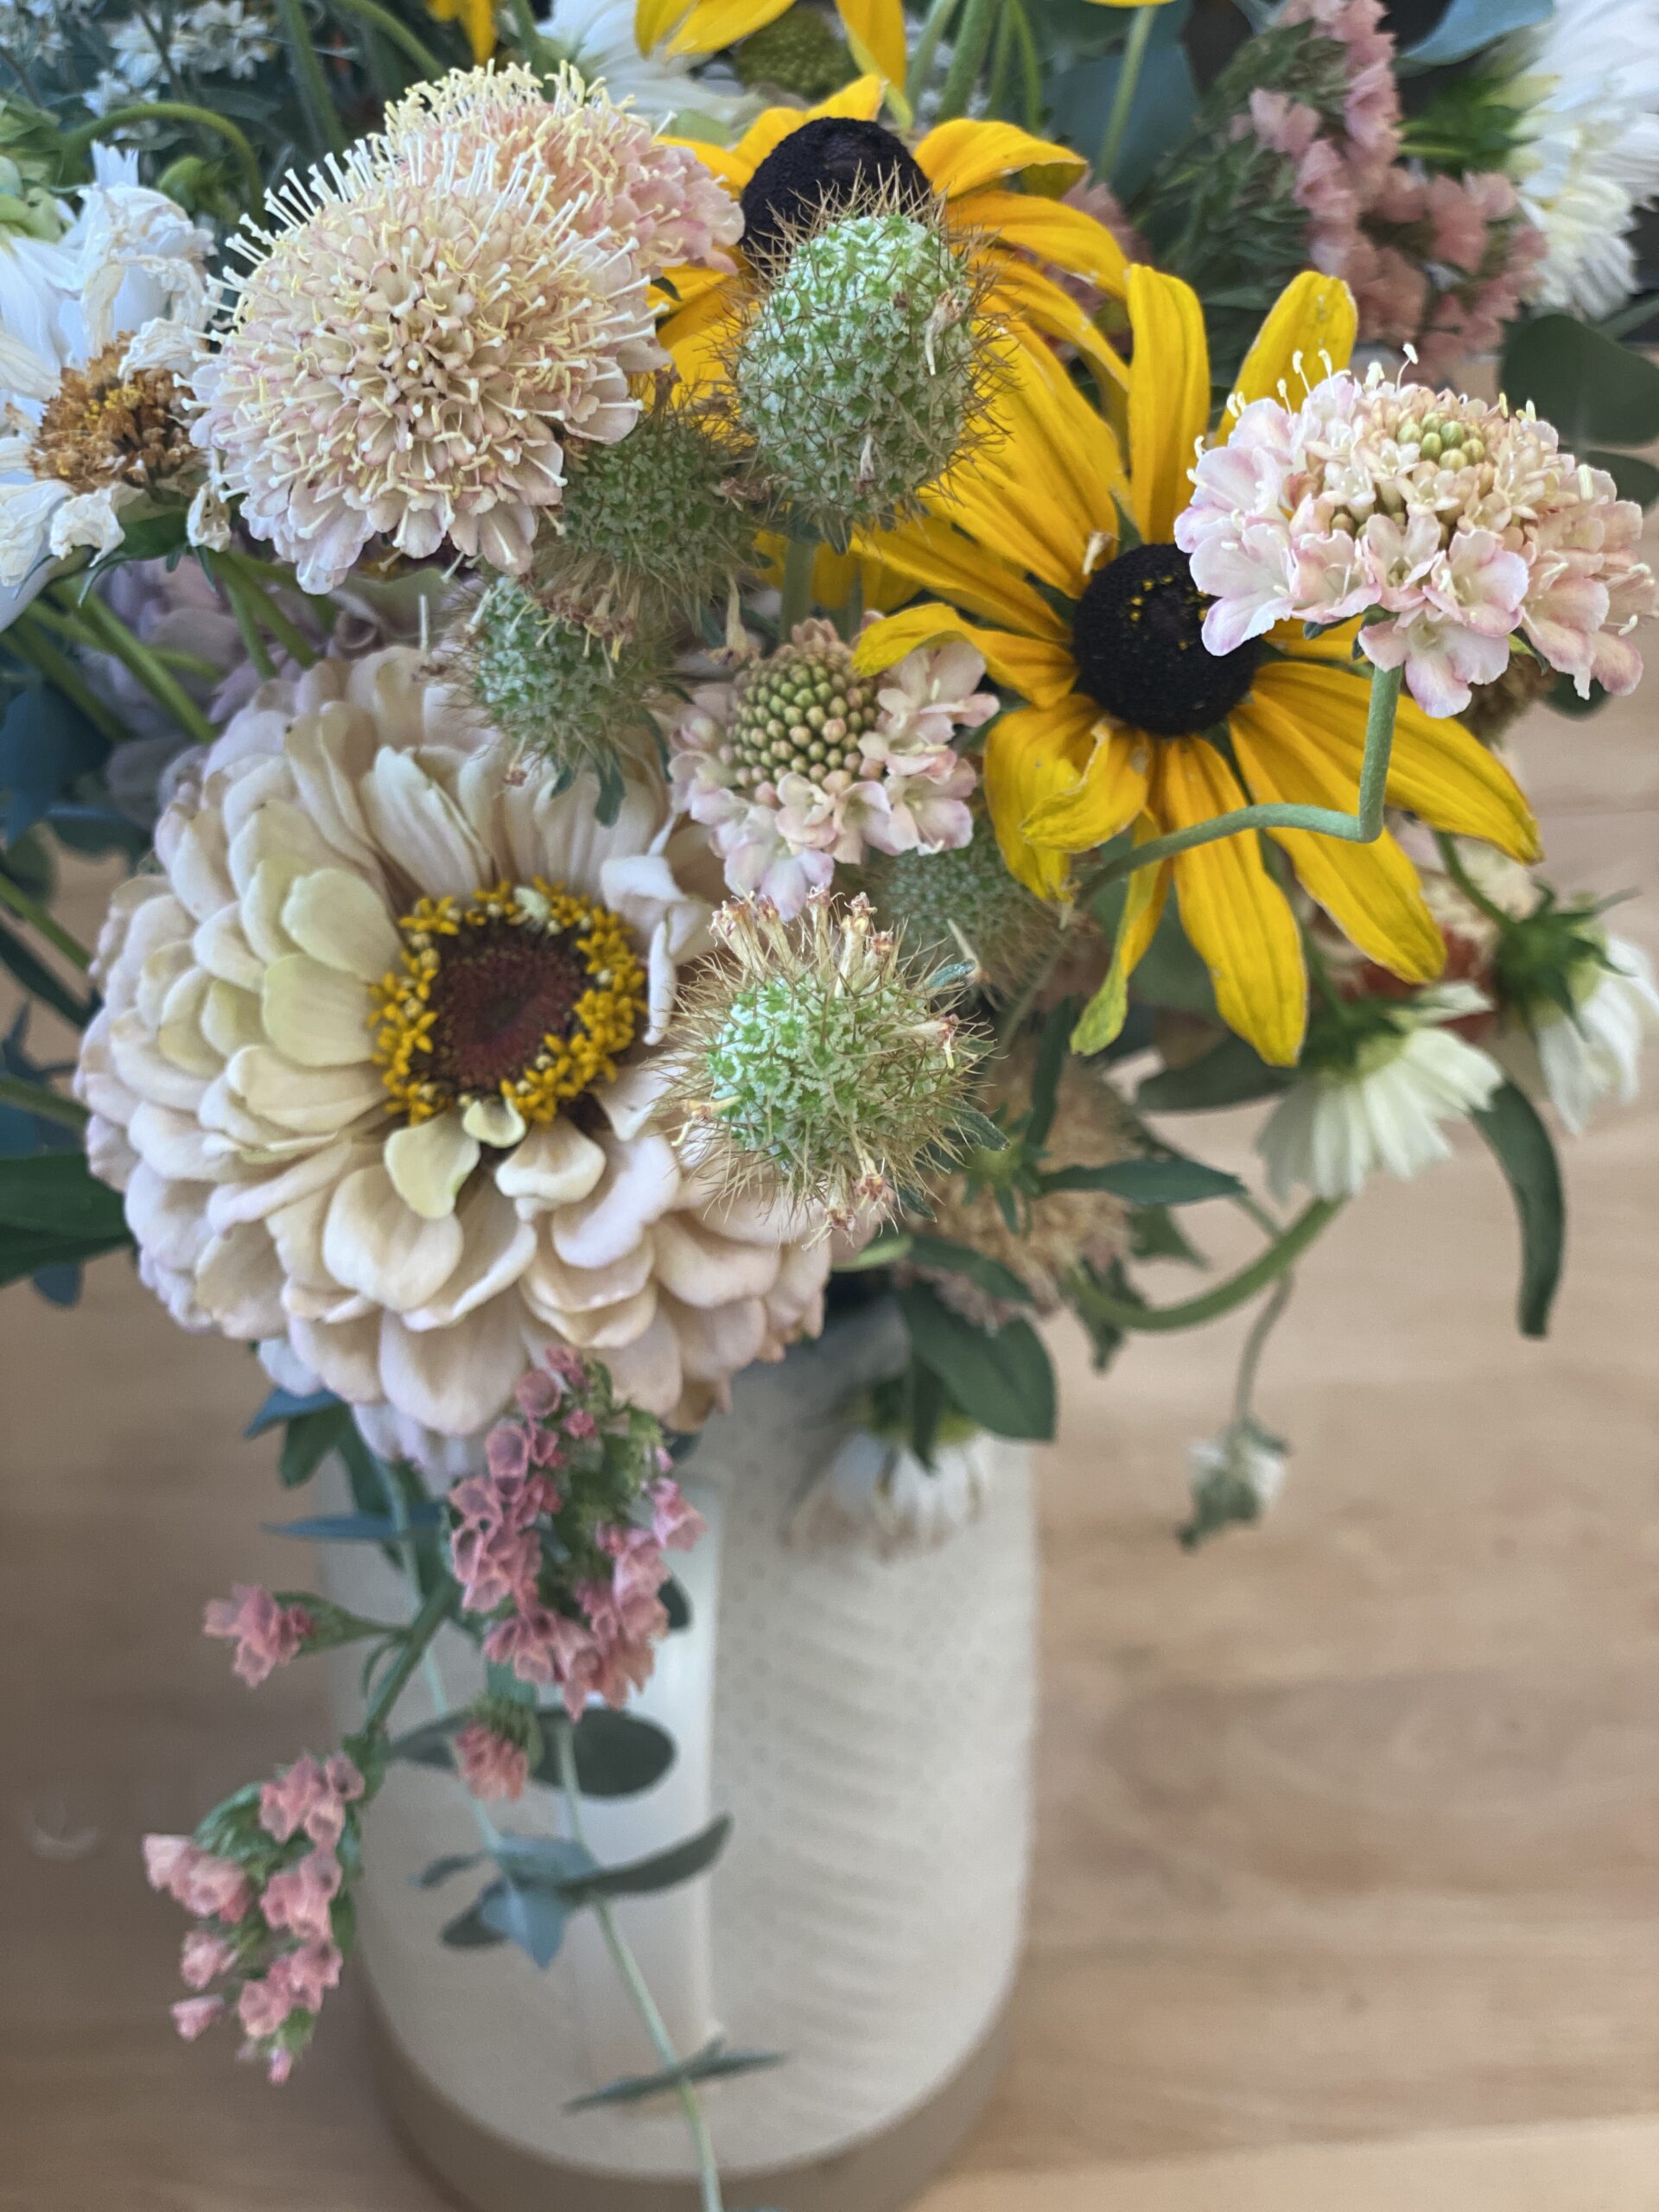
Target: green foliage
x=1231 y=1073
x=53 y=1211
x=799 y=52
x=617 y=1753
x=1524 y=1149
x=1001 y=1379
x=1600 y=395
x=713 y=2063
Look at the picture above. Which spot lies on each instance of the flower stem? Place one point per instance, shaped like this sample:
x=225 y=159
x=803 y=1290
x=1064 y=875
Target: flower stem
x=439 y=1605
x=1123 y=1314
x=383 y=20
x=33 y=1098
x=101 y=126
x=800 y=558
x=978 y=19
x=28 y=638
x=241 y=581
x=938 y=21
x=29 y=910
x=1452 y=862
x=316 y=99
x=1129 y=77
x=1249 y=1359
x=644 y=2004
x=111 y=634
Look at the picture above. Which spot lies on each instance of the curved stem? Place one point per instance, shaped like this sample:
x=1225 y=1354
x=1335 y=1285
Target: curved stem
x=316 y=99
x=383 y=20
x=968 y=59
x=78 y=141
x=1283 y=1253
x=26 y=638
x=241 y=577
x=32 y=1098
x=1452 y=861
x=31 y=911
x=933 y=28
x=1249 y=1359
x=644 y=2004
x=1031 y=67
x=1129 y=77
x=109 y=632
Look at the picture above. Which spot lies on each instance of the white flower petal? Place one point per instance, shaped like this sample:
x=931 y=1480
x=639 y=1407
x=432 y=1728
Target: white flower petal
x=494 y=1122
x=422 y=829
x=316 y=1015
x=342 y=921
x=555 y=1166
x=702 y=1270
x=239 y=1281
x=552 y=1290
x=455 y=1380
x=375 y=1244
x=640 y=1184
x=306 y=1102
x=498 y=1248
x=428 y=1161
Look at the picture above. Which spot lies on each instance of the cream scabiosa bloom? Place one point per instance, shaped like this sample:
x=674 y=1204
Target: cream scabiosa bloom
x=375 y=1065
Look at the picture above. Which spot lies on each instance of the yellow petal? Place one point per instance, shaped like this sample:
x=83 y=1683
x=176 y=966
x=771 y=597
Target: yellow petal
x=1029 y=755
x=1336 y=645
x=862 y=99
x=654 y=19
x=1025 y=294
x=1050 y=232
x=707 y=26
x=1169 y=398
x=1036 y=668
x=1437 y=769
x=876 y=31
x=1143 y=906
x=957 y=155
x=1308 y=333
x=1370 y=892
x=1107 y=798
x=942 y=560
x=1238 y=919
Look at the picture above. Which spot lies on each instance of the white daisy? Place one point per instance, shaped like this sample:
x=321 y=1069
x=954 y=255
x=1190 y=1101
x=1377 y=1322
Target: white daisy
x=1576 y=1059
x=597 y=36
x=1384 y=1106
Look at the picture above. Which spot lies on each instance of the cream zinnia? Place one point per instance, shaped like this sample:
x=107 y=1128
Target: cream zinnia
x=375 y=1063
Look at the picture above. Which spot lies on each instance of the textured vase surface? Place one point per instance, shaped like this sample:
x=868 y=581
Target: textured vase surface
x=862 y=1705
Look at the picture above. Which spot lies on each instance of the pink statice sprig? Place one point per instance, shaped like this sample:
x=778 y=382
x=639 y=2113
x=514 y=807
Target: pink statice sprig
x=271 y=1628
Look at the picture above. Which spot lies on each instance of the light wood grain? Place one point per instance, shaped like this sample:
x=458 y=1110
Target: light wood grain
x=1347 y=1888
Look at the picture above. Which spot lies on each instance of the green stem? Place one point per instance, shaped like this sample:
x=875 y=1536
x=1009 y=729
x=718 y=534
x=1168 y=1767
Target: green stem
x=1031 y=67
x=1283 y=1253
x=316 y=99
x=78 y=141
x=538 y=51
x=1129 y=77
x=31 y=911
x=1001 y=62
x=383 y=20
x=1452 y=862
x=257 y=652
x=26 y=637
x=419 y=1633
x=108 y=630
x=239 y=574
x=968 y=59
x=644 y=2004
x=933 y=29
x=1249 y=1359
x=800 y=557
x=69 y=1113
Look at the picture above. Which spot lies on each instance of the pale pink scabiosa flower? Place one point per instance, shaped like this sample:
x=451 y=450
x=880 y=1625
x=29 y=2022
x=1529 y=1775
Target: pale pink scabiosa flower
x=410 y=350
x=801 y=764
x=267 y=1635
x=605 y=163
x=1462 y=525
x=413 y=1225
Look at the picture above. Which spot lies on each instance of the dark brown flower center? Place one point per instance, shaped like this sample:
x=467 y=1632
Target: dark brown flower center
x=832 y=166
x=1137 y=633
x=500 y=991
x=101 y=428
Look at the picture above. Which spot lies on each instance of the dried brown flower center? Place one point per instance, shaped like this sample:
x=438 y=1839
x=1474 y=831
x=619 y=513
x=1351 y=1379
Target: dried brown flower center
x=101 y=428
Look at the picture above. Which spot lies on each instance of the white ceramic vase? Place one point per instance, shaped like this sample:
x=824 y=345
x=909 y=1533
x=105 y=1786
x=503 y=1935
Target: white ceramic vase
x=855 y=1689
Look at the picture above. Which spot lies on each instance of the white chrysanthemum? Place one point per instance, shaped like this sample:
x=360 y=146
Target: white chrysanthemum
x=95 y=329
x=1587 y=79
x=1578 y=1059
x=598 y=37
x=374 y=1066
x=1386 y=1107
x=408 y=357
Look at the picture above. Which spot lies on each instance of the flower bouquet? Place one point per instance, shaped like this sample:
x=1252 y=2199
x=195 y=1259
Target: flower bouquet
x=724 y=652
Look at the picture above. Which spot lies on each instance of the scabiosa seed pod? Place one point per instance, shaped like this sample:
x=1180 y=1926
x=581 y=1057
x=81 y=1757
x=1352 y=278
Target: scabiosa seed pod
x=549 y=686
x=799 y=52
x=816 y=1068
x=962 y=902
x=651 y=528
x=863 y=369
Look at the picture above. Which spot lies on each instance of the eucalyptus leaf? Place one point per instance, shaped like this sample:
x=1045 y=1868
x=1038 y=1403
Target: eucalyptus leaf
x=445 y=1869
x=357 y=1527
x=662 y=1870
x=282 y=1406
x=308 y=1440
x=1469 y=25
x=532 y=1915
x=31 y=972
x=469 y=1930
x=1524 y=1149
x=617 y=1753
x=712 y=2063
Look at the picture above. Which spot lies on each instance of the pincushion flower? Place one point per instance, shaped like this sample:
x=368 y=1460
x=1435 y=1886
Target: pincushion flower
x=802 y=765
x=792 y=167
x=408 y=355
x=375 y=1059
x=1102 y=639
x=1464 y=525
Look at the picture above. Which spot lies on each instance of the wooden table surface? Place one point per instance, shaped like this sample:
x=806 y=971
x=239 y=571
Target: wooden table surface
x=1347 y=1882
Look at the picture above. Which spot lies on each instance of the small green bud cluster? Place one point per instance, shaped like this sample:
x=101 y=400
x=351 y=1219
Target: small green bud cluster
x=800 y=52
x=860 y=371
x=816 y=1068
x=963 y=896
x=649 y=528
x=805 y=711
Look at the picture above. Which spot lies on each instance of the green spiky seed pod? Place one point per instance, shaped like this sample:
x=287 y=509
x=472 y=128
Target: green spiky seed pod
x=815 y=1069
x=550 y=687
x=800 y=52
x=804 y=710
x=860 y=370
x=649 y=528
x=943 y=902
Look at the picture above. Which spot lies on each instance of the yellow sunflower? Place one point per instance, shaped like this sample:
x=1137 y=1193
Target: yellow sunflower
x=1131 y=724
x=875 y=28
x=980 y=170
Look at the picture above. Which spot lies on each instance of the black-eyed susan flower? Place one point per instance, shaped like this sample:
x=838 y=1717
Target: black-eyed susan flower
x=1064 y=548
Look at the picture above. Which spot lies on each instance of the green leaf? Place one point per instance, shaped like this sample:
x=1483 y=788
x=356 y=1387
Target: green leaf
x=1562 y=698
x=1468 y=25
x=281 y=1406
x=978 y=1129
x=1045 y=1077
x=712 y=2063
x=307 y=1440
x=1149 y=1182
x=54 y=1211
x=25 y=1252
x=1636 y=479
x=1523 y=1150
x=618 y=1754
x=37 y=979
x=532 y=1915
x=1595 y=391
x=469 y=1930
x=676 y=1605
x=1155 y=1234
x=880 y=1252
x=1230 y=1073
x=662 y=1870
x=444 y=1869
x=1003 y=1380
x=944 y=1257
